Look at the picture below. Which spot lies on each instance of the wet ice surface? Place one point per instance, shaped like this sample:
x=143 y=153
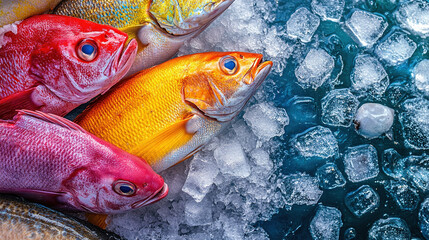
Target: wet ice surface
x=292 y=166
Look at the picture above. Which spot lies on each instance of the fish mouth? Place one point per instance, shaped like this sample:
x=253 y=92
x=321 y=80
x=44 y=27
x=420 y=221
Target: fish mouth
x=156 y=196
x=179 y=25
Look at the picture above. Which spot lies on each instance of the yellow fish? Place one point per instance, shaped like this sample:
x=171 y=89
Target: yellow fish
x=168 y=112
x=161 y=26
x=16 y=10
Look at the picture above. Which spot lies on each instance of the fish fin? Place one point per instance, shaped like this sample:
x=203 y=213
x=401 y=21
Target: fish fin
x=20 y=100
x=99 y=220
x=169 y=139
x=52 y=118
x=45 y=197
x=132 y=32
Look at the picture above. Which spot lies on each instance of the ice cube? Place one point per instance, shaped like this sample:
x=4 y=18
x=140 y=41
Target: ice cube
x=244 y=135
x=263 y=162
x=328 y=10
x=330 y=176
x=266 y=121
x=316 y=142
x=362 y=201
x=365 y=27
x=368 y=76
x=202 y=172
x=420 y=77
x=326 y=224
x=389 y=229
x=315 y=69
x=396 y=49
x=361 y=163
x=414 y=16
x=405 y=196
x=415 y=125
x=302 y=24
x=339 y=107
x=231 y=159
x=373 y=119
x=424 y=218
x=416 y=170
x=300 y=189
x=392 y=164
x=302 y=110
x=198 y=213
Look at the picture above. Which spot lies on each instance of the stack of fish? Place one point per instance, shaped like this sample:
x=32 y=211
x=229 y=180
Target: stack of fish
x=160 y=114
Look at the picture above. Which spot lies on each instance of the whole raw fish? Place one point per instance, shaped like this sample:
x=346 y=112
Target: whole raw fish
x=51 y=160
x=24 y=220
x=166 y=113
x=55 y=63
x=160 y=26
x=17 y=10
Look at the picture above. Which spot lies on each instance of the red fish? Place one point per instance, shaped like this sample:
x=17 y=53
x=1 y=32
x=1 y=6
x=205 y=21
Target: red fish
x=55 y=63
x=51 y=160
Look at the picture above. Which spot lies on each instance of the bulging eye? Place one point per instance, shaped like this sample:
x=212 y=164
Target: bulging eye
x=87 y=50
x=124 y=188
x=228 y=64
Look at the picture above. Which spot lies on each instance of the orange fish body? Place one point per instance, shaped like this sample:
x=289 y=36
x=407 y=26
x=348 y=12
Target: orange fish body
x=166 y=113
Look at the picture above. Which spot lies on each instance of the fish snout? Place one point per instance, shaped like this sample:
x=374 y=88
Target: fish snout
x=154 y=197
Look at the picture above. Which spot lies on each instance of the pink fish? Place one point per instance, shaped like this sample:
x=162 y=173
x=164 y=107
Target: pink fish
x=55 y=63
x=51 y=160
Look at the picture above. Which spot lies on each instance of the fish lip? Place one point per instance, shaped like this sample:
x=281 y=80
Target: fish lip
x=156 y=196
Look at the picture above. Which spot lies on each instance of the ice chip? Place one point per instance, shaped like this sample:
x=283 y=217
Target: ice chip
x=350 y=234
x=362 y=201
x=330 y=176
x=405 y=196
x=339 y=107
x=302 y=24
x=328 y=10
x=326 y=224
x=302 y=110
x=232 y=160
x=416 y=170
x=315 y=142
x=424 y=218
x=389 y=229
x=365 y=27
x=266 y=121
x=420 y=77
x=198 y=213
x=415 y=125
x=361 y=163
x=414 y=16
x=368 y=76
x=392 y=164
x=373 y=119
x=202 y=171
x=315 y=69
x=300 y=189
x=396 y=49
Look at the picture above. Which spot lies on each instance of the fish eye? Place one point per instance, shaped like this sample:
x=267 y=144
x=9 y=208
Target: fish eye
x=124 y=188
x=87 y=50
x=228 y=64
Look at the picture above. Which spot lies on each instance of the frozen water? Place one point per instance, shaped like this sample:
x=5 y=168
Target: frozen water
x=420 y=76
x=301 y=189
x=405 y=196
x=231 y=159
x=414 y=16
x=315 y=142
x=415 y=125
x=245 y=135
x=373 y=119
x=424 y=218
x=198 y=213
x=361 y=163
x=302 y=24
x=392 y=164
x=266 y=121
x=201 y=175
x=368 y=76
x=262 y=159
x=326 y=224
x=362 y=201
x=416 y=170
x=302 y=110
x=350 y=234
x=315 y=69
x=389 y=229
x=328 y=10
x=396 y=49
x=365 y=27
x=339 y=107
x=330 y=176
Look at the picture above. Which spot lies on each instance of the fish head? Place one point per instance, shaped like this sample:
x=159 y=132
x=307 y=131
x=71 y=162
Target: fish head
x=120 y=182
x=182 y=17
x=218 y=85
x=78 y=59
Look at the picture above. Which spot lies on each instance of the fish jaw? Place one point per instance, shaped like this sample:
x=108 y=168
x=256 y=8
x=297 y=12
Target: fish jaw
x=156 y=196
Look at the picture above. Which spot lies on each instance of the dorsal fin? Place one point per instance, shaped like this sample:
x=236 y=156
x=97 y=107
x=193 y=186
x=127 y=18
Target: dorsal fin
x=52 y=118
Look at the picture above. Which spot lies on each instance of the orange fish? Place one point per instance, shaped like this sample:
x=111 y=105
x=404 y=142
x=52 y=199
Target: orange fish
x=168 y=112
